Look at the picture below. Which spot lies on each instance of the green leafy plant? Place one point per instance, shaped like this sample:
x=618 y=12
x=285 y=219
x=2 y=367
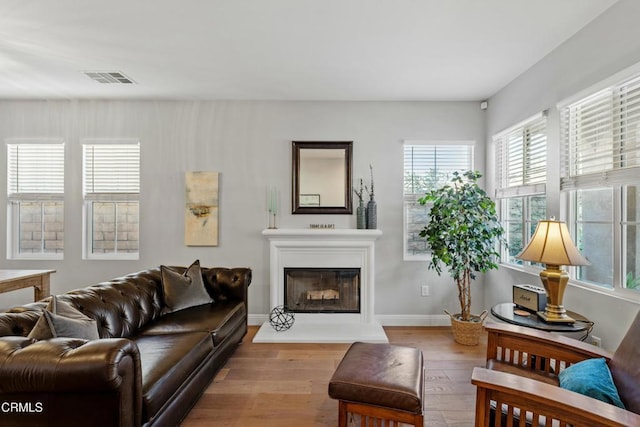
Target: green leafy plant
x=463 y=233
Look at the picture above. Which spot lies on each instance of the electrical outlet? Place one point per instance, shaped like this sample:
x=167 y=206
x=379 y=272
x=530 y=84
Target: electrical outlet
x=596 y=341
x=425 y=290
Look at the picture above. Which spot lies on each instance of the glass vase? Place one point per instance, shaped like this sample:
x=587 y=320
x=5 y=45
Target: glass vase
x=361 y=216
x=372 y=214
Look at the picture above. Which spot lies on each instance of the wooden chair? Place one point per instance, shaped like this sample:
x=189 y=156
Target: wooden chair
x=521 y=373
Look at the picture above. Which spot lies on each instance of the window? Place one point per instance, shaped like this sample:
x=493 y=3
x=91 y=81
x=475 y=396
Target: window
x=427 y=165
x=593 y=226
x=521 y=176
x=111 y=186
x=35 y=196
x=519 y=218
x=631 y=237
x=600 y=176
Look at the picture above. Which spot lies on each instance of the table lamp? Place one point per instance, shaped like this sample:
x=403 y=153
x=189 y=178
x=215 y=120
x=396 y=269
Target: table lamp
x=551 y=245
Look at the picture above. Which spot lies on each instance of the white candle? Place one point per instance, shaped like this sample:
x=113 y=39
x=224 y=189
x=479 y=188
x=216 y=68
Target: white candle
x=275 y=201
x=269 y=200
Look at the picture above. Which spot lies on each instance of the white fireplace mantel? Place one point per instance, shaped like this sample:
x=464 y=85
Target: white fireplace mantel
x=324 y=248
x=315 y=234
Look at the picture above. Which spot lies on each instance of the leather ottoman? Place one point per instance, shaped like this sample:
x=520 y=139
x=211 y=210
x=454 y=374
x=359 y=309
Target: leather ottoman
x=380 y=382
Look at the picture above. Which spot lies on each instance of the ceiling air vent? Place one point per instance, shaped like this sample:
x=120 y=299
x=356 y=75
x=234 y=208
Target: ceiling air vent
x=109 y=77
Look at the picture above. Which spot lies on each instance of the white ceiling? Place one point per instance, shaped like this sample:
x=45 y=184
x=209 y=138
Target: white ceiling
x=280 y=49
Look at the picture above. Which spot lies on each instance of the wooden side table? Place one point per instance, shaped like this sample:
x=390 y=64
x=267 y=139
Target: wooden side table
x=11 y=280
x=504 y=311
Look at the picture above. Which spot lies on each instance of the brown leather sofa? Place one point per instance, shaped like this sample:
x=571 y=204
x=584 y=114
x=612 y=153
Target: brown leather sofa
x=147 y=369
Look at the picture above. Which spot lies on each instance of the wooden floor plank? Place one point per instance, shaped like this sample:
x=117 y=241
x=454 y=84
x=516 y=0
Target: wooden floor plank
x=286 y=384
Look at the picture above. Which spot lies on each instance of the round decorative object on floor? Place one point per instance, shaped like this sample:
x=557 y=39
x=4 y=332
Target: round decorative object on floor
x=281 y=319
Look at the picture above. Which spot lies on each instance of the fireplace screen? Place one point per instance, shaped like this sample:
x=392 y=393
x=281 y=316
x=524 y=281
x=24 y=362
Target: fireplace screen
x=322 y=290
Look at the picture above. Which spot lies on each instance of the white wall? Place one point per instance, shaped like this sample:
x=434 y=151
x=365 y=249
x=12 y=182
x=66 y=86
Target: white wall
x=249 y=143
x=608 y=45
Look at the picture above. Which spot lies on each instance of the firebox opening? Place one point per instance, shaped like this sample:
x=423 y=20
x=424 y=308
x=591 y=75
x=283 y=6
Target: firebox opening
x=322 y=290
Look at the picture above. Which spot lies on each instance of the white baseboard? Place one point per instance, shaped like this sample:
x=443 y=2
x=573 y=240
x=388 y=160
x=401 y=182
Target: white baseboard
x=257 y=319
x=413 y=319
x=384 y=319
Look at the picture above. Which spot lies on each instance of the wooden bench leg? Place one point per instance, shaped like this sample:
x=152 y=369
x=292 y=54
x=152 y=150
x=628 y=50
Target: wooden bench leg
x=375 y=415
x=419 y=421
x=342 y=414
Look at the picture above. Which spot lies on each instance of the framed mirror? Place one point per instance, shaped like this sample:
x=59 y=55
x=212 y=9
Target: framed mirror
x=322 y=177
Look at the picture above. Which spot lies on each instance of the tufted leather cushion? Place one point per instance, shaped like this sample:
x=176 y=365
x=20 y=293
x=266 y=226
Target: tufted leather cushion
x=224 y=283
x=120 y=306
x=18 y=321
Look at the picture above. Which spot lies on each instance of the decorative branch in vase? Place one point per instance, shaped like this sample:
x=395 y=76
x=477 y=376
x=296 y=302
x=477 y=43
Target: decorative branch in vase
x=365 y=187
x=361 y=214
x=372 y=209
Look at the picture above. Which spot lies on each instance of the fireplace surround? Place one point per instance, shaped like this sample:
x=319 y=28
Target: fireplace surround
x=324 y=250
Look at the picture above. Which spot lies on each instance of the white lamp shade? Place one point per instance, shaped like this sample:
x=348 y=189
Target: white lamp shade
x=551 y=244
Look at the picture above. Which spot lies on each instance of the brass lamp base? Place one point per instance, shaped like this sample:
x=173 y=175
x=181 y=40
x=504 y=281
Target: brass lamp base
x=555 y=282
x=551 y=317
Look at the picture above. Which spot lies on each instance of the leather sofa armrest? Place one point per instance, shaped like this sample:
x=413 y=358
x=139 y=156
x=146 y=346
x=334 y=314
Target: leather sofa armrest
x=67 y=364
x=58 y=373
x=519 y=395
x=229 y=283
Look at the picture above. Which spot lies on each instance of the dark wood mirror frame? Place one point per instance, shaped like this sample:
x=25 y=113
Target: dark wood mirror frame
x=297 y=207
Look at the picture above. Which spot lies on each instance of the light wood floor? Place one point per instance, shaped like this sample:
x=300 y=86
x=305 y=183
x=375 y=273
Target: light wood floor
x=285 y=385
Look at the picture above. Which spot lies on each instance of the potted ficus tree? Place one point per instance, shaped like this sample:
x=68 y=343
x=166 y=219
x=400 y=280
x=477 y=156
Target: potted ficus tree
x=463 y=234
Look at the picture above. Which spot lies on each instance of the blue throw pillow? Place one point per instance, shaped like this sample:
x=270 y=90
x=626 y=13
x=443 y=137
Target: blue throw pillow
x=592 y=378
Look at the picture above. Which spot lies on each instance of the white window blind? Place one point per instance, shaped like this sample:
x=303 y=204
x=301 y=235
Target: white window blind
x=35 y=169
x=601 y=135
x=111 y=169
x=521 y=158
x=428 y=166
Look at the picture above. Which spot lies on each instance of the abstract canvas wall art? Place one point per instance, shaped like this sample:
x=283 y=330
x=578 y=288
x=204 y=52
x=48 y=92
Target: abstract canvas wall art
x=201 y=209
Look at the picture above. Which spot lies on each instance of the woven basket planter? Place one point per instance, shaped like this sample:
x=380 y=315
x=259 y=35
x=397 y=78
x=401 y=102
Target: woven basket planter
x=467 y=332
